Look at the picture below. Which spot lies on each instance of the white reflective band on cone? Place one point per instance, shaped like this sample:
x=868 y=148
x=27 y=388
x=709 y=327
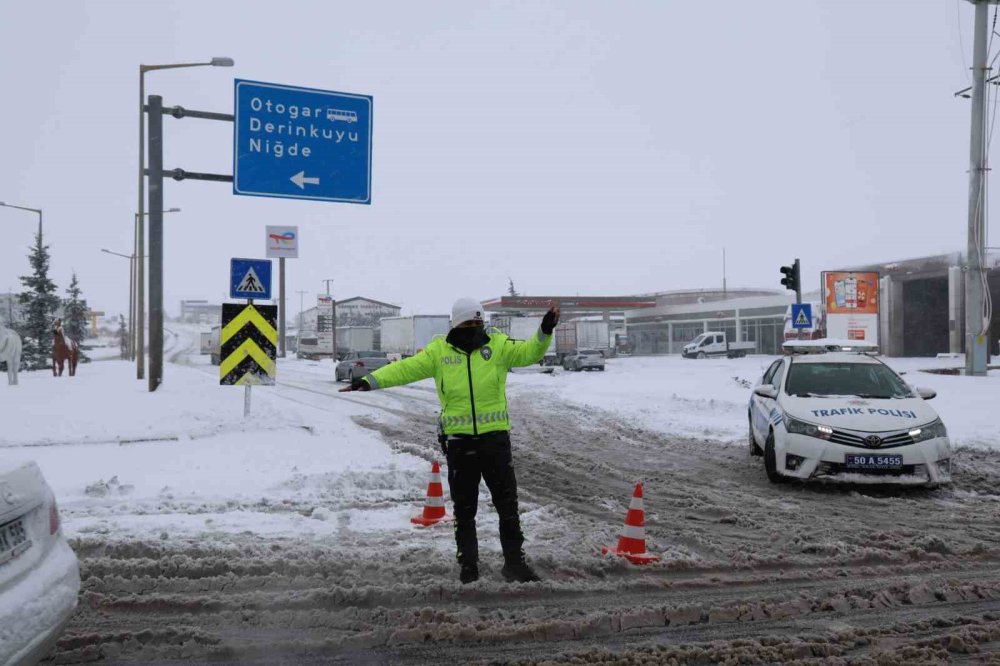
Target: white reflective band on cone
x=636 y=504
x=434 y=501
x=632 y=532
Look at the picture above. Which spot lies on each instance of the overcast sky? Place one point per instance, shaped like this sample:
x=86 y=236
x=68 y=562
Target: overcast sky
x=577 y=147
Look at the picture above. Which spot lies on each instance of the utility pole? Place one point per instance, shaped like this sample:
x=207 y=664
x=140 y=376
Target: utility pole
x=976 y=327
x=155 y=139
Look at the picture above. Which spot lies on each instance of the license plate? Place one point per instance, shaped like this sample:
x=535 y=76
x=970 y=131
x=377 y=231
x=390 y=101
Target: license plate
x=13 y=540
x=873 y=461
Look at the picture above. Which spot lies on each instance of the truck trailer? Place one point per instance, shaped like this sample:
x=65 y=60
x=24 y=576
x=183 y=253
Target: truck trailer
x=579 y=334
x=405 y=336
x=354 y=338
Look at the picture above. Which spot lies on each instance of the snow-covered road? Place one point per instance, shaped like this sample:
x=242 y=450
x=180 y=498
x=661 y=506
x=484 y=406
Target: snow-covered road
x=285 y=539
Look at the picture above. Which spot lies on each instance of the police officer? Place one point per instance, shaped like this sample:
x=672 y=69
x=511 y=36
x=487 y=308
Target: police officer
x=469 y=368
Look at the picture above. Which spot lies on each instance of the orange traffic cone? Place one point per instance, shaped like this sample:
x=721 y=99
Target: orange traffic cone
x=434 y=506
x=632 y=543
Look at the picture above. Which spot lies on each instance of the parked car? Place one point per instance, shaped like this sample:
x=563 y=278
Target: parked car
x=845 y=416
x=359 y=364
x=715 y=343
x=584 y=359
x=39 y=573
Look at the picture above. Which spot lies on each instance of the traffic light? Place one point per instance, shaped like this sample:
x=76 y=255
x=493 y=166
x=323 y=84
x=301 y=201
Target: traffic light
x=790 y=279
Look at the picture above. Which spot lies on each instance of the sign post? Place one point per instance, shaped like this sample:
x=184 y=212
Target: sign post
x=282 y=242
x=248 y=340
x=301 y=143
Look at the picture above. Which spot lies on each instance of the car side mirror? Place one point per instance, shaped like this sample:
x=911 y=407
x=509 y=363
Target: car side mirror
x=766 y=391
x=926 y=393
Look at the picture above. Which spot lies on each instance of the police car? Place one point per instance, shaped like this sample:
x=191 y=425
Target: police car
x=846 y=416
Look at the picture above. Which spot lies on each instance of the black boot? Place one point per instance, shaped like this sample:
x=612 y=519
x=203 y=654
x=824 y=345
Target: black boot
x=469 y=573
x=516 y=569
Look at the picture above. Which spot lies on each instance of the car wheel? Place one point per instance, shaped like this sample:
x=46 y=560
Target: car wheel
x=770 y=460
x=350 y=378
x=754 y=447
x=700 y=355
x=601 y=368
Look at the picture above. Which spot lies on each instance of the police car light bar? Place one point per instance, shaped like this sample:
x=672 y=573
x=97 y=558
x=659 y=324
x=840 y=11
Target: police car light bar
x=824 y=345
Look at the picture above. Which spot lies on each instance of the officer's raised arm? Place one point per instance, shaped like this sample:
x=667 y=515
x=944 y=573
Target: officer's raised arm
x=529 y=352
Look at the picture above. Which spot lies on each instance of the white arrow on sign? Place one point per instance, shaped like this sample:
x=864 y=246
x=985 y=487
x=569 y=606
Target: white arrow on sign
x=301 y=180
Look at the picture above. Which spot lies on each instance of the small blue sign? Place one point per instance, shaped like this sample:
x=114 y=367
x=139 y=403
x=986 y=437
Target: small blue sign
x=250 y=278
x=802 y=315
x=302 y=143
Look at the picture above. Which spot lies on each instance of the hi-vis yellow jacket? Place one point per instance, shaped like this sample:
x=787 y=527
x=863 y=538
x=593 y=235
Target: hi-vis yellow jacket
x=471 y=387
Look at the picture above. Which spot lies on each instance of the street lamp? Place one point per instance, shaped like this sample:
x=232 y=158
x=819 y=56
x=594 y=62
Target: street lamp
x=139 y=233
x=33 y=210
x=131 y=285
x=134 y=292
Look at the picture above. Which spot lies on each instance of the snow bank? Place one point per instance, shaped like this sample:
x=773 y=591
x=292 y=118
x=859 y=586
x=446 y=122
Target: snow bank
x=183 y=461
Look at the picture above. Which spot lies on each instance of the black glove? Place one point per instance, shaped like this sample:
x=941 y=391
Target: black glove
x=550 y=321
x=357 y=384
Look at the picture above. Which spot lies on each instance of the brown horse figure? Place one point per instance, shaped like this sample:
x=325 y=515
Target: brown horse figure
x=63 y=349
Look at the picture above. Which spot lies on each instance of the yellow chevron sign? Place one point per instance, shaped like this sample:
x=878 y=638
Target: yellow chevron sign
x=249 y=342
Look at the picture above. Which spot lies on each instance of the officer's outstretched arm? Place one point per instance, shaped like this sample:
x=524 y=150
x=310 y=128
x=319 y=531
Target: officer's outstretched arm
x=527 y=352
x=409 y=370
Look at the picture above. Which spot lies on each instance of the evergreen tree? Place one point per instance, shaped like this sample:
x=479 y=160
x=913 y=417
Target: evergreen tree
x=122 y=336
x=75 y=312
x=510 y=288
x=40 y=301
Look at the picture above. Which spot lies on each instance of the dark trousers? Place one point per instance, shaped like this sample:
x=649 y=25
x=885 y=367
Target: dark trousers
x=485 y=457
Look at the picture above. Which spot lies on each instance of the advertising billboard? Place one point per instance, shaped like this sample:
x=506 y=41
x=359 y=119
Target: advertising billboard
x=851 y=301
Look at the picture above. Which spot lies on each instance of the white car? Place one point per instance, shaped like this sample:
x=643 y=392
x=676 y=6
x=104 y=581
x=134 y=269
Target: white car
x=846 y=415
x=584 y=359
x=39 y=573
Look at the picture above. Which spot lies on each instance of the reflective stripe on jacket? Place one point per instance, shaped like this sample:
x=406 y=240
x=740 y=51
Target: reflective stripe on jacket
x=471 y=387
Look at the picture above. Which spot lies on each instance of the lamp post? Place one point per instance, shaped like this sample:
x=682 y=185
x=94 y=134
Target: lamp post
x=130 y=345
x=33 y=210
x=140 y=241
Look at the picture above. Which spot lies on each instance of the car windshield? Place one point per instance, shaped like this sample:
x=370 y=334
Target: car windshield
x=863 y=380
x=371 y=354
x=698 y=339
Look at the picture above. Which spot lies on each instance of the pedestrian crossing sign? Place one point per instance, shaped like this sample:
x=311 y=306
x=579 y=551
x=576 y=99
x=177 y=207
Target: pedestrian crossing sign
x=802 y=315
x=250 y=278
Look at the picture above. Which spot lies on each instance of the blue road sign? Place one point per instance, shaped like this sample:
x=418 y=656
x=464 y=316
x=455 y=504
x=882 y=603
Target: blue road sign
x=250 y=278
x=302 y=143
x=802 y=315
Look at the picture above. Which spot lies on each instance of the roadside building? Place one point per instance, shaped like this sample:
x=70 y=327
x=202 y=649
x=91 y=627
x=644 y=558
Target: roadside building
x=745 y=315
x=361 y=311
